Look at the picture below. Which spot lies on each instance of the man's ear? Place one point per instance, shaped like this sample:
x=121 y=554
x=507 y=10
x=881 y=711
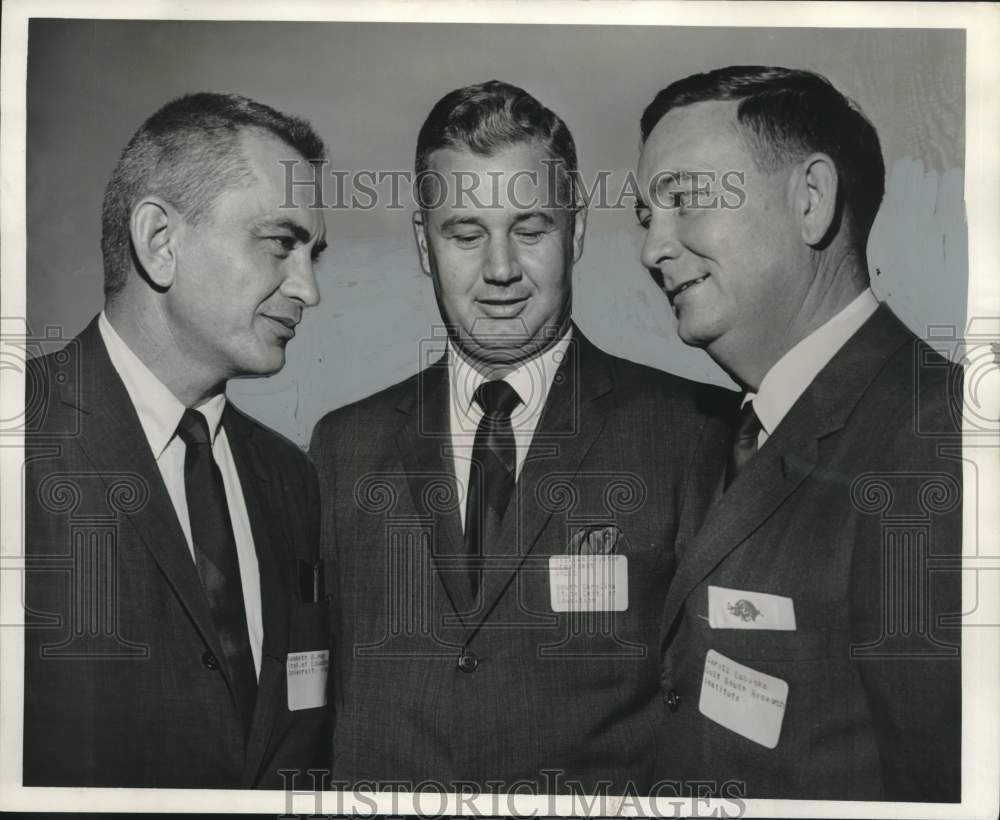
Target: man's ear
x=579 y=229
x=153 y=227
x=420 y=235
x=816 y=197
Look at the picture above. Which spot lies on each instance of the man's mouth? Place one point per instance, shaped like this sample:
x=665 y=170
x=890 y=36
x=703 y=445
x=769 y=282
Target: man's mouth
x=675 y=292
x=286 y=322
x=502 y=308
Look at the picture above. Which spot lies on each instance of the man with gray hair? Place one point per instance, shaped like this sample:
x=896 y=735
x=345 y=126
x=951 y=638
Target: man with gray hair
x=175 y=633
x=502 y=524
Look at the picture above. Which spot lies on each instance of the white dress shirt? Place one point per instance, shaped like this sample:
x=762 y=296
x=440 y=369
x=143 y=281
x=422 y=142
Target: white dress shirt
x=159 y=414
x=532 y=380
x=795 y=371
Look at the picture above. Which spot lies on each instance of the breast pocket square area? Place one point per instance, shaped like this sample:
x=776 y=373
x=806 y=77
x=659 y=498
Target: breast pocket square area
x=743 y=609
x=597 y=541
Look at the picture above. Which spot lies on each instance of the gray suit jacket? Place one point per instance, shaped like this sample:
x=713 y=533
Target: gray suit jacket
x=543 y=697
x=852 y=509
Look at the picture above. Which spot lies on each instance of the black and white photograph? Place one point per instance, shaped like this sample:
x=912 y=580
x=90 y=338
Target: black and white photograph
x=501 y=409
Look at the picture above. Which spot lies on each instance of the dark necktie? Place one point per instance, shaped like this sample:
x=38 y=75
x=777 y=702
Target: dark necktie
x=744 y=442
x=215 y=556
x=491 y=477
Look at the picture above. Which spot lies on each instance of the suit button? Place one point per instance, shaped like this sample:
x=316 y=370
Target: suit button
x=210 y=661
x=468 y=661
x=673 y=700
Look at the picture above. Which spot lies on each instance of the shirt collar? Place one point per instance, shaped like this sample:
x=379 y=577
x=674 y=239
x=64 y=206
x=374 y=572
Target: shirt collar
x=158 y=409
x=795 y=371
x=532 y=379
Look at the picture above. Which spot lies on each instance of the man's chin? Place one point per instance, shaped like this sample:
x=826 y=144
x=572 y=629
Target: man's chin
x=266 y=363
x=696 y=334
x=504 y=351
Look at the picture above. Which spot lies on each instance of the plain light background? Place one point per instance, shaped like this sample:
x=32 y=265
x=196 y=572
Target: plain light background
x=367 y=88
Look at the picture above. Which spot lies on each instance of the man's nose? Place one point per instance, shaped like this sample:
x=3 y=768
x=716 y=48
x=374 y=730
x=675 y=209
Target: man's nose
x=300 y=283
x=661 y=245
x=502 y=265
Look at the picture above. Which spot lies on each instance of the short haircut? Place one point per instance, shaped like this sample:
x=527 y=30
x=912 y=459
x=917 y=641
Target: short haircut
x=188 y=153
x=487 y=118
x=785 y=114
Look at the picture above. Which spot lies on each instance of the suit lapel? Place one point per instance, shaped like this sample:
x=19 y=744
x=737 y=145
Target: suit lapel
x=702 y=484
x=423 y=442
x=788 y=457
x=115 y=443
x=750 y=500
x=575 y=412
x=275 y=583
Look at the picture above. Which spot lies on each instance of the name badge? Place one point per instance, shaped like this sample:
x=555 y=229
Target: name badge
x=588 y=583
x=742 y=609
x=742 y=699
x=307 y=679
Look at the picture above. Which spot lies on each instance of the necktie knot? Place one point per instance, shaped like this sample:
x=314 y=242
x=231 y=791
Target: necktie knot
x=193 y=428
x=748 y=427
x=744 y=445
x=497 y=398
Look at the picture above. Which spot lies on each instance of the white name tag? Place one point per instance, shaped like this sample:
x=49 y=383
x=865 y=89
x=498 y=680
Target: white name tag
x=588 y=583
x=307 y=679
x=742 y=609
x=743 y=700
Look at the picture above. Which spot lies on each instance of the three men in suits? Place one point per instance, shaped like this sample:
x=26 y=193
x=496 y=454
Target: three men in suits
x=500 y=526
x=174 y=633
x=811 y=633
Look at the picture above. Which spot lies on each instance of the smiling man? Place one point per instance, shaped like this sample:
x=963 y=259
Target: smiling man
x=810 y=634
x=502 y=524
x=166 y=532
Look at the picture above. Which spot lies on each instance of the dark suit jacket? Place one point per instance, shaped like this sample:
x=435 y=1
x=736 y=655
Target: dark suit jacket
x=853 y=510
x=121 y=685
x=577 y=693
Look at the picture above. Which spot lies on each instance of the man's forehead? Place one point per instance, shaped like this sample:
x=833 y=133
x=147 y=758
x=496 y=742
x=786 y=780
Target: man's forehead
x=527 y=152
x=520 y=163
x=269 y=158
x=278 y=204
x=263 y=151
x=695 y=137
x=514 y=181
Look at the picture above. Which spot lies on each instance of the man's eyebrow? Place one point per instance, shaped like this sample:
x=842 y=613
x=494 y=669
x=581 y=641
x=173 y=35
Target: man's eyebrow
x=290 y=225
x=664 y=179
x=319 y=247
x=673 y=177
x=524 y=217
x=455 y=221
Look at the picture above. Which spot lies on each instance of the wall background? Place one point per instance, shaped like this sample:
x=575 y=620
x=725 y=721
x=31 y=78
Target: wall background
x=367 y=88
